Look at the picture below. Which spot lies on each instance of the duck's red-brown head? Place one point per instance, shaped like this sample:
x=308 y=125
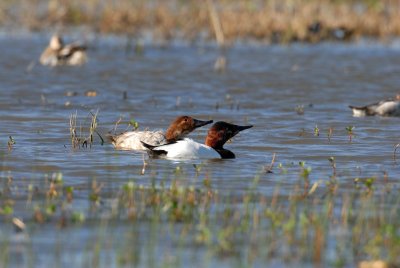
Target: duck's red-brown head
x=182 y=126
x=221 y=132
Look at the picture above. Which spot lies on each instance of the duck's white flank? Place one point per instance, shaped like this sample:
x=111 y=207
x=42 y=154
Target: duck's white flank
x=390 y=107
x=131 y=140
x=188 y=149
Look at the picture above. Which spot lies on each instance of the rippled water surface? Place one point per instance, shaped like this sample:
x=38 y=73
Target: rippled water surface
x=262 y=86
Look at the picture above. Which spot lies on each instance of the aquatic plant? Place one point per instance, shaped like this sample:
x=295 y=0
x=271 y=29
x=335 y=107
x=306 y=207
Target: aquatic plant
x=10 y=143
x=350 y=132
x=247 y=227
x=330 y=133
x=268 y=169
x=77 y=140
x=333 y=164
x=316 y=131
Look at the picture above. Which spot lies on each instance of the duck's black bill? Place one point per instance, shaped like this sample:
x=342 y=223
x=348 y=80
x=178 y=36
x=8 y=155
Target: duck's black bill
x=241 y=128
x=199 y=123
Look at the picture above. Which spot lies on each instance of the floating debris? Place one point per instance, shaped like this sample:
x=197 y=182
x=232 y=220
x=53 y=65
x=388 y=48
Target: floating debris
x=18 y=224
x=71 y=93
x=220 y=64
x=299 y=109
x=91 y=93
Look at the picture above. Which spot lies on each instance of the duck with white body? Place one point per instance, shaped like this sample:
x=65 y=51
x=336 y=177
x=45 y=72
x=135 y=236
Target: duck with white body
x=213 y=148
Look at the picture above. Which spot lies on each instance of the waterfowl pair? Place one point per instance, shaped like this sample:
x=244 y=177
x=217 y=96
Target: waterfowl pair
x=388 y=107
x=213 y=148
x=178 y=129
x=57 y=53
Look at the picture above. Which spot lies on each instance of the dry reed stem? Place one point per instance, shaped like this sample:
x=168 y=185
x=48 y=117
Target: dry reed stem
x=269 y=168
x=78 y=141
x=116 y=124
x=72 y=130
x=216 y=23
x=275 y=21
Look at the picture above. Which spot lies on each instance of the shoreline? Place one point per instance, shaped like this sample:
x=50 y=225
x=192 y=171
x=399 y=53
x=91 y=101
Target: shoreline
x=84 y=36
x=272 y=22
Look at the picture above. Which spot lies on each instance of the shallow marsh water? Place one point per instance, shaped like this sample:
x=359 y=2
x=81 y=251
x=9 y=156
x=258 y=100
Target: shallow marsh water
x=262 y=85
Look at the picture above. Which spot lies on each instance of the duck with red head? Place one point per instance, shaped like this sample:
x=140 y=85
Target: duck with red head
x=178 y=129
x=217 y=136
x=182 y=126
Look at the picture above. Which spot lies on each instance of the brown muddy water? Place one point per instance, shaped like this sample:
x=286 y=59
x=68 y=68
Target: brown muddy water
x=262 y=85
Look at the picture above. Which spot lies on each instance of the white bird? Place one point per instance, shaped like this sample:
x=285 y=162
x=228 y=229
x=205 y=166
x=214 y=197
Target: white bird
x=388 y=107
x=56 y=53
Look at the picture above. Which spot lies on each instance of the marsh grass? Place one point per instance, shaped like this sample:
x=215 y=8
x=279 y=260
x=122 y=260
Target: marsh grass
x=225 y=21
x=305 y=225
x=76 y=132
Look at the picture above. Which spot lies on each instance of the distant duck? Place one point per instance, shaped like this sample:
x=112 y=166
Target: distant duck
x=57 y=53
x=388 y=107
x=179 y=128
x=213 y=148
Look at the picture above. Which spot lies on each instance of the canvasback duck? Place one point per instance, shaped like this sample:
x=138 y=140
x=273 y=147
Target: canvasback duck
x=213 y=148
x=388 y=107
x=178 y=129
x=57 y=53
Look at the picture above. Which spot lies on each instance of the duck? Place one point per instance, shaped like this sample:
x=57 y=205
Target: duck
x=178 y=129
x=56 y=53
x=213 y=148
x=388 y=107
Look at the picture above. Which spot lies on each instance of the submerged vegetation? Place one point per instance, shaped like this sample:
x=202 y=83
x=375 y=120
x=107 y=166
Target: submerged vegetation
x=274 y=21
x=318 y=216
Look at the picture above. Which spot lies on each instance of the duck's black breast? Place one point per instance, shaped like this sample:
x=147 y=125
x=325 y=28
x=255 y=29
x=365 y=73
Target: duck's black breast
x=225 y=154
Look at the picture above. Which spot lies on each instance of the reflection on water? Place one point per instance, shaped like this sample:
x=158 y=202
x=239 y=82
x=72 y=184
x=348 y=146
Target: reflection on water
x=262 y=86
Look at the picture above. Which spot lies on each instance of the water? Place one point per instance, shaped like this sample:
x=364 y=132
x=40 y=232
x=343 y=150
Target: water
x=262 y=86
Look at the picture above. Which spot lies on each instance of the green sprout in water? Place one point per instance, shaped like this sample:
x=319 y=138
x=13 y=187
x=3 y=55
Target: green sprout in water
x=368 y=182
x=282 y=168
x=78 y=217
x=197 y=168
x=350 y=133
x=305 y=171
x=6 y=210
x=316 y=131
x=134 y=124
